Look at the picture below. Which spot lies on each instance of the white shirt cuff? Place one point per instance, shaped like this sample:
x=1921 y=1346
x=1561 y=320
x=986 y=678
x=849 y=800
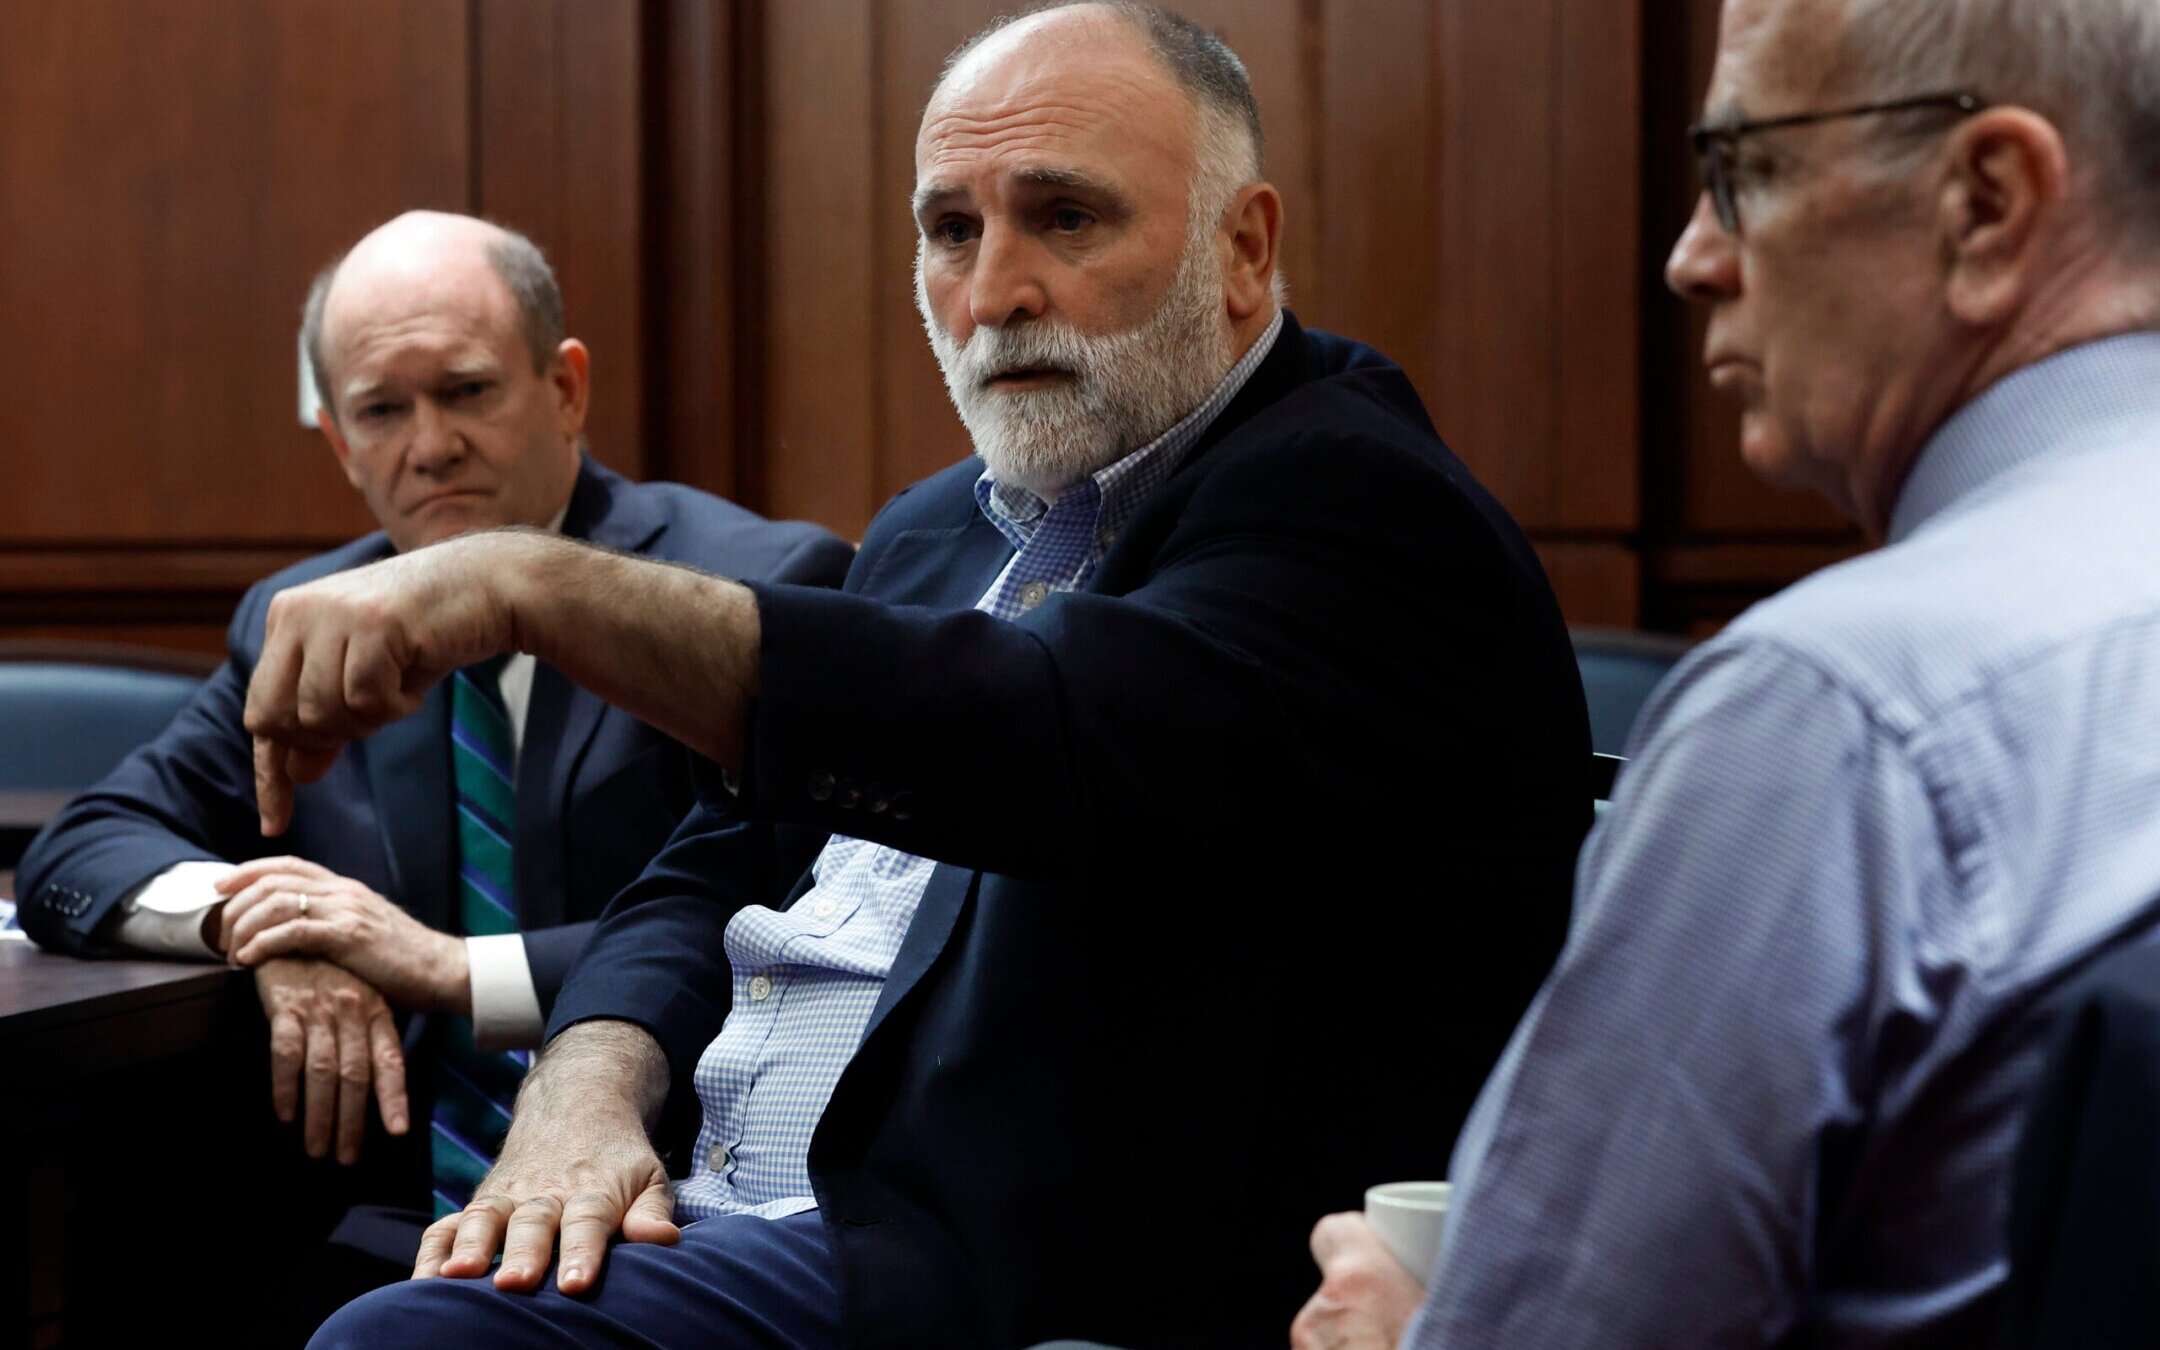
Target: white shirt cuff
x=164 y=915
x=505 y=1005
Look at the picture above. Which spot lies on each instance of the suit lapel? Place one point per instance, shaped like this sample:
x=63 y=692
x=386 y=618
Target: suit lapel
x=949 y=891
x=408 y=771
x=560 y=721
x=948 y=567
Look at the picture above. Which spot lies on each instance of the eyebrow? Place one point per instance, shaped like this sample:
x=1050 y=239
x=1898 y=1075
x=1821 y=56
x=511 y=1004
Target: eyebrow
x=1728 y=113
x=1040 y=176
x=457 y=374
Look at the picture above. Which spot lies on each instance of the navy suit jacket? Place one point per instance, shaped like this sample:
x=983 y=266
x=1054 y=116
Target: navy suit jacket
x=2085 y=1209
x=1251 y=855
x=597 y=794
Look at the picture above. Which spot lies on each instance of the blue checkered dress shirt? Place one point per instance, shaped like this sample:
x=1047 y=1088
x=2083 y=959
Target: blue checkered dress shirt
x=1771 y=1092
x=806 y=978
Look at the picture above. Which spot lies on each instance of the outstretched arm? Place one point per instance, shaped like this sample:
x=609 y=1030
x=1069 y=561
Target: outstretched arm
x=674 y=647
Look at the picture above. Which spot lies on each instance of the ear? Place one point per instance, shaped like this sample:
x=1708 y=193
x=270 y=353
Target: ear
x=571 y=378
x=2008 y=176
x=338 y=446
x=1254 y=225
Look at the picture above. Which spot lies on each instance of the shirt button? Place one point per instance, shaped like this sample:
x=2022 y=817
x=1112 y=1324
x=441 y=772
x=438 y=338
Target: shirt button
x=718 y=1158
x=825 y=909
x=760 y=989
x=1032 y=594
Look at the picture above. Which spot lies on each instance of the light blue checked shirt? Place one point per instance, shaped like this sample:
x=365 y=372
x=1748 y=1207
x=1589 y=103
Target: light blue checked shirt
x=1771 y=1092
x=806 y=978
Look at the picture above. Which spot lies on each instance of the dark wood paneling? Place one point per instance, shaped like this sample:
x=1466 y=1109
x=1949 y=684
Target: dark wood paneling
x=1597 y=188
x=174 y=173
x=1375 y=275
x=560 y=157
x=822 y=441
x=702 y=242
x=1598 y=581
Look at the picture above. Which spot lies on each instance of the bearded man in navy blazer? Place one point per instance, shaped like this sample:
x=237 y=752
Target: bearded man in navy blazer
x=1154 y=842
x=453 y=401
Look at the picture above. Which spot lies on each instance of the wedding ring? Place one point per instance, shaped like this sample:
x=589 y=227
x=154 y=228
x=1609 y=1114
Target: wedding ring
x=303 y=906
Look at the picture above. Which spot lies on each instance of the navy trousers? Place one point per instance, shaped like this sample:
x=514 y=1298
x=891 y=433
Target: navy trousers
x=730 y=1282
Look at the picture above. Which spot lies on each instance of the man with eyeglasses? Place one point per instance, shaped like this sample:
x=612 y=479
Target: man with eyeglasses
x=1771 y=1093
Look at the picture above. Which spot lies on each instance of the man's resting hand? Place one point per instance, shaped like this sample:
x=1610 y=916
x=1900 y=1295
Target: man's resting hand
x=332 y=1039
x=577 y=1167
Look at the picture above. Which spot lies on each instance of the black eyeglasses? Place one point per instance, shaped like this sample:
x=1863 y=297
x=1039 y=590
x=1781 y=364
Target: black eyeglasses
x=1714 y=142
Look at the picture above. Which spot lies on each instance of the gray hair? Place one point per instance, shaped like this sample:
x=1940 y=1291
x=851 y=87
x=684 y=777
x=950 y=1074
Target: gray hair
x=2092 y=67
x=517 y=260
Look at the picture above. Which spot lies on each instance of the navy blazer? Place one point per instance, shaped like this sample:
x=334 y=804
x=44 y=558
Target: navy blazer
x=1251 y=855
x=2085 y=1209
x=598 y=792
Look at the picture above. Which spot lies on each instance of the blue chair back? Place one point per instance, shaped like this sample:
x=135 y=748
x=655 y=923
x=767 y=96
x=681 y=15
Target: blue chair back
x=1619 y=669
x=63 y=726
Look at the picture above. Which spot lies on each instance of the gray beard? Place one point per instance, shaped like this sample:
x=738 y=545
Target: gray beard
x=1128 y=388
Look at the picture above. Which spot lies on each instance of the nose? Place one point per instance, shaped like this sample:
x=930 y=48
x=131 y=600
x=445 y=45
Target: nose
x=1704 y=265
x=1005 y=286
x=437 y=443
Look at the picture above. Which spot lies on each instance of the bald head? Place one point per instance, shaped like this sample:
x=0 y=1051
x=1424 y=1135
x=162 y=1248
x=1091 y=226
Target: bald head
x=1227 y=141
x=450 y=396
x=429 y=256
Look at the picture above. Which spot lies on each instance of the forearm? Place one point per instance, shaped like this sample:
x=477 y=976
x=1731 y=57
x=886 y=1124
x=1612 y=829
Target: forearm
x=674 y=647
x=596 y=1068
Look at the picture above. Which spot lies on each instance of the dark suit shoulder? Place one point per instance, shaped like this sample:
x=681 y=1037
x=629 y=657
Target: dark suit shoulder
x=942 y=501
x=683 y=524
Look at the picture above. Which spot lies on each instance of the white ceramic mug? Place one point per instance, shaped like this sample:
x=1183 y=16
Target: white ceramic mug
x=1409 y=1216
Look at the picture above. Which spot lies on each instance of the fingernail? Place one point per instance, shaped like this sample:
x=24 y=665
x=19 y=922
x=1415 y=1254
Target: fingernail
x=571 y=1274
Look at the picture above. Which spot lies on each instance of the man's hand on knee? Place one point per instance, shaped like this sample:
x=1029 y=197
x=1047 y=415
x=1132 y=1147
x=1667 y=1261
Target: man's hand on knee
x=577 y=1169
x=549 y=1193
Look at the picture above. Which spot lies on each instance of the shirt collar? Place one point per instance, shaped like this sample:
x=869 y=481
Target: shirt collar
x=2089 y=395
x=1123 y=485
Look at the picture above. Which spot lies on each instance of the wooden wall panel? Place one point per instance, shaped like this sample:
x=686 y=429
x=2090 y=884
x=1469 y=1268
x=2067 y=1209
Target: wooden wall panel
x=703 y=236
x=559 y=156
x=822 y=439
x=152 y=284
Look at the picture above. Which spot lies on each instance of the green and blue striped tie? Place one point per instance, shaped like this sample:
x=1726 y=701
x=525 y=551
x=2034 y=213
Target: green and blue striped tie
x=475 y=1088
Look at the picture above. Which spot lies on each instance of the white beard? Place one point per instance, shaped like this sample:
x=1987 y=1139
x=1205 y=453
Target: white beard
x=1127 y=388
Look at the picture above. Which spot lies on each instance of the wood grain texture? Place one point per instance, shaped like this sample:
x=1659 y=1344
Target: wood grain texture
x=174 y=173
x=701 y=238
x=819 y=330
x=559 y=139
x=1599 y=582
x=1485 y=192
